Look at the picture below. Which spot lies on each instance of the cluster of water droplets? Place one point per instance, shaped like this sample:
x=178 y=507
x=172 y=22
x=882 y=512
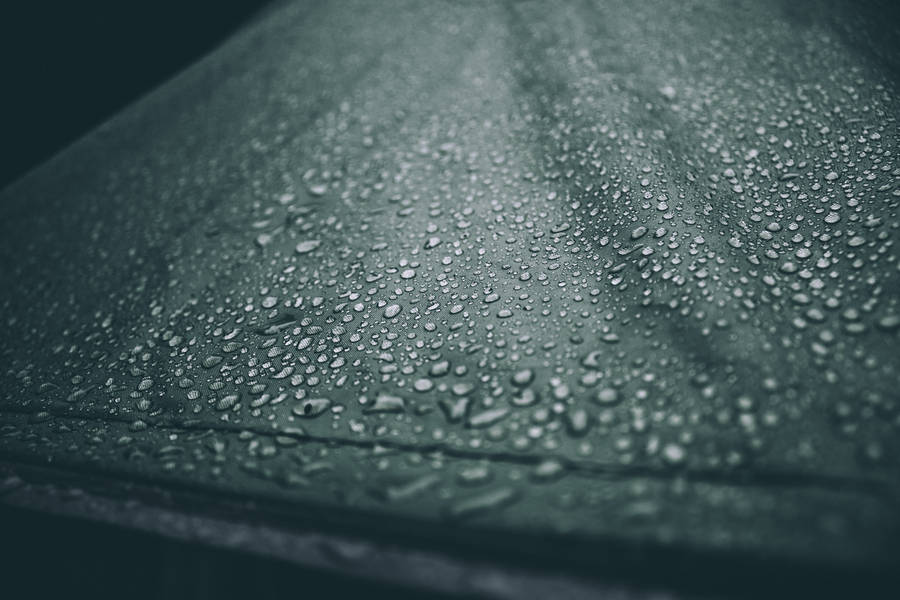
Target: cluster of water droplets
x=555 y=266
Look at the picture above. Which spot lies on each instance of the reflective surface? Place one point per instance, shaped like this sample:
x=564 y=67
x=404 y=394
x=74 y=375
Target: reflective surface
x=600 y=272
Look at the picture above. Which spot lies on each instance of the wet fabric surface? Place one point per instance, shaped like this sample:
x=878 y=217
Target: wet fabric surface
x=613 y=272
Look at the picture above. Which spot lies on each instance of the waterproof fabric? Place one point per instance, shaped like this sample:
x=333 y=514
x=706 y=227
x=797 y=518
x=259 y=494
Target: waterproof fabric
x=608 y=274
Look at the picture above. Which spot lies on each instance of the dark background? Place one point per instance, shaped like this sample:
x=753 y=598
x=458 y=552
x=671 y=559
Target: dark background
x=47 y=556
x=67 y=66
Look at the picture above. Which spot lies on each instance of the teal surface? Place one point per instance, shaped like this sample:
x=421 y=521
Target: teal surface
x=612 y=275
